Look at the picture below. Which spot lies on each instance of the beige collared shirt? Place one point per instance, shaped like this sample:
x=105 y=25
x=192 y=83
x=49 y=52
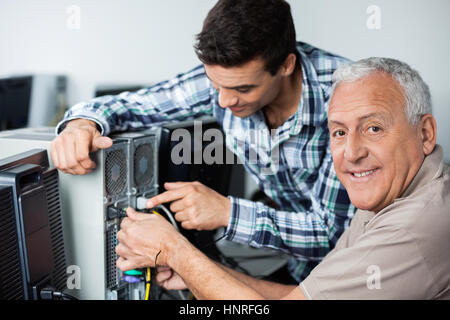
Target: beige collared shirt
x=403 y=252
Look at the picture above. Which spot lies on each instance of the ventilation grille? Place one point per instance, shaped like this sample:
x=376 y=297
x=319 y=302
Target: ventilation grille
x=143 y=165
x=111 y=257
x=115 y=172
x=56 y=228
x=11 y=281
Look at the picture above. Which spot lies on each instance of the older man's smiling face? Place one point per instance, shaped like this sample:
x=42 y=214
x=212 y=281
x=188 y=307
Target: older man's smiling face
x=376 y=151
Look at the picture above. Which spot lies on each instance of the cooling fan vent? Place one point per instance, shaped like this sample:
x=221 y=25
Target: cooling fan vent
x=115 y=172
x=143 y=165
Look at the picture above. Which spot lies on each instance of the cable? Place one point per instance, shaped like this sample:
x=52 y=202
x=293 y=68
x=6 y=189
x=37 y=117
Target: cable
x=212 y=242
x=229 y=261
x=147 y=284
x=51 y=294
x=181 y=294
x=141 y=204
x=169 y=215
x=65 y=296
x=148 y=273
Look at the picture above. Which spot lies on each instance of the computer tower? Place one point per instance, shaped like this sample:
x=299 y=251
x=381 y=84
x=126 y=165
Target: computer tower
x=32 y=254
x=142 y=181
x=92 y=207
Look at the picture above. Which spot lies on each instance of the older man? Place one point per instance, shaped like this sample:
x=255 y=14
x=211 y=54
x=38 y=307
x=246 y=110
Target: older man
x=383 y=143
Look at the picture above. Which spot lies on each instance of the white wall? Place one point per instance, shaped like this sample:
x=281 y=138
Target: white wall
x=144 y=41
x=414 y=31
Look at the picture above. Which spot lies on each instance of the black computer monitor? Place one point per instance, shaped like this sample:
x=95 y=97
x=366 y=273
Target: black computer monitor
x=15 y=95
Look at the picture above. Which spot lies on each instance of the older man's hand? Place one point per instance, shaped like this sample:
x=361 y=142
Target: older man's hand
x=141 y=238
x=195 y=205
x=169 y=279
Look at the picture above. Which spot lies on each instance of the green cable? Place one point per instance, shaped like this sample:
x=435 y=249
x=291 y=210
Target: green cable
x=133 y=272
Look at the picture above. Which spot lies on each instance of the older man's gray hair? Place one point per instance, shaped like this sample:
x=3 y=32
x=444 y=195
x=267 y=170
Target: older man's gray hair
x=416 y=92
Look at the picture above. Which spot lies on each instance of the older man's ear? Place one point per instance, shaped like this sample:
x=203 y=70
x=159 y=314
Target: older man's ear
x=427 y=127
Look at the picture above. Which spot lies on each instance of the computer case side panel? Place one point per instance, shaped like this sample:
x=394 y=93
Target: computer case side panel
x=33 y=230
x=12 y=284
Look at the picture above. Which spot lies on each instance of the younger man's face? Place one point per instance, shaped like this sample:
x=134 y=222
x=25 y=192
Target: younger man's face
x=244 y=89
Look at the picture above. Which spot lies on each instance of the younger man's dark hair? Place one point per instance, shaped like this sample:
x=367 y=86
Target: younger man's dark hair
x=237 y=31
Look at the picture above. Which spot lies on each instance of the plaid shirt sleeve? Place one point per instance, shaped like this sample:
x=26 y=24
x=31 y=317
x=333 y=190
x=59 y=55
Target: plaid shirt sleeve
x=187 y=96
x=307 y=235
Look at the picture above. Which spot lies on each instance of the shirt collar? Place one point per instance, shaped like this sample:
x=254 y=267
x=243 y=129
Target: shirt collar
x=312 y=108
x=432 y=167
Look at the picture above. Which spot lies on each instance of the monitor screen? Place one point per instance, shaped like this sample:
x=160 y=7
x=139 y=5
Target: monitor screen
x=15 y=95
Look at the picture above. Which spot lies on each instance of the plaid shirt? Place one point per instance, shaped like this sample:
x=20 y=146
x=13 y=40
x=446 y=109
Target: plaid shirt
x=291 y=164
